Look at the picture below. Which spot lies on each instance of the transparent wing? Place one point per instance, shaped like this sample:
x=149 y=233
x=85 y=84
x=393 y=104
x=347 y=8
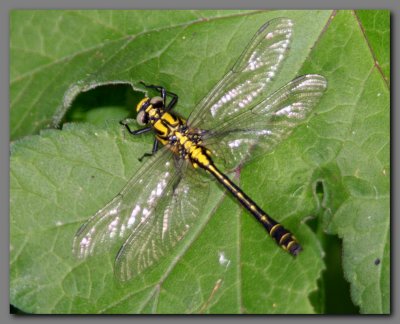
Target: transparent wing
x=260 y=129
x=133 y=206
x=241 y=87
x=174 y=216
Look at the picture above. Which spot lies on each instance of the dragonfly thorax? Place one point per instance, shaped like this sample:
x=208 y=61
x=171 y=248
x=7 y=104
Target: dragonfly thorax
x=172 y=130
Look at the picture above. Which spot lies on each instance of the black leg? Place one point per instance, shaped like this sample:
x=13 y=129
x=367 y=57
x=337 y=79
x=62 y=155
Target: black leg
x=173 y=101
x=139 y=131
x=164 y=93
x=155 y=146
x=154 y=150
x=134 y=132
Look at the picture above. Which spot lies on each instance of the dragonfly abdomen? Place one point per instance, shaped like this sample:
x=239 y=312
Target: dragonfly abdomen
x=280 y=234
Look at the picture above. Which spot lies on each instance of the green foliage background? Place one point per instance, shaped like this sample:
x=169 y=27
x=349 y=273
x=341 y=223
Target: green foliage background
x=332 y=176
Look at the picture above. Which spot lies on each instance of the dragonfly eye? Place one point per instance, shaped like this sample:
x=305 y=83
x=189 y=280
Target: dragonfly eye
x=157 y=102
x=143 y=104
x=142 y=118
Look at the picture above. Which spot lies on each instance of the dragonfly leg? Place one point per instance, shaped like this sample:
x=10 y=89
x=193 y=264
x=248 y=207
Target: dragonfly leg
x=124 y=122
x=173 y=101
x=164 y=93
x=154 y=150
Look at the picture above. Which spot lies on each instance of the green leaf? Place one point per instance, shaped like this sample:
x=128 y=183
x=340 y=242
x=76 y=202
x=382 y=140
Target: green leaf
x=60 y=178
x=351 y=148
x=376 y=26
x=228 y=264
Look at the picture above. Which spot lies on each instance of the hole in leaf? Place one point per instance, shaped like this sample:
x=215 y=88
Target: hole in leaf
x=312 y=222
x=104 y=104
x=319 y=191
x=333 y=295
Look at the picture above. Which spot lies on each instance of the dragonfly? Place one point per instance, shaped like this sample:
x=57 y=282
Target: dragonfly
x=240 y=119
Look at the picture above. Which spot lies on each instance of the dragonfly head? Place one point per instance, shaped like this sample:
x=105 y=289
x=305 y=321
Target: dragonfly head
x=146 y=107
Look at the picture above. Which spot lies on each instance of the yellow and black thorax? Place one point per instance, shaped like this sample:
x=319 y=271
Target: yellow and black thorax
x=173 y=131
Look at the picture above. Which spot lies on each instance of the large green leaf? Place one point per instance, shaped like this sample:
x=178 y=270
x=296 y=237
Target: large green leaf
x=352 y=153
x=227 y=264
x=376 y=26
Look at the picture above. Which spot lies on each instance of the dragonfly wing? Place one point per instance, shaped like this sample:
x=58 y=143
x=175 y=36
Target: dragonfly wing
x=242 y=86
x=171 y=220
x=260 y=129
x=130 y=208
